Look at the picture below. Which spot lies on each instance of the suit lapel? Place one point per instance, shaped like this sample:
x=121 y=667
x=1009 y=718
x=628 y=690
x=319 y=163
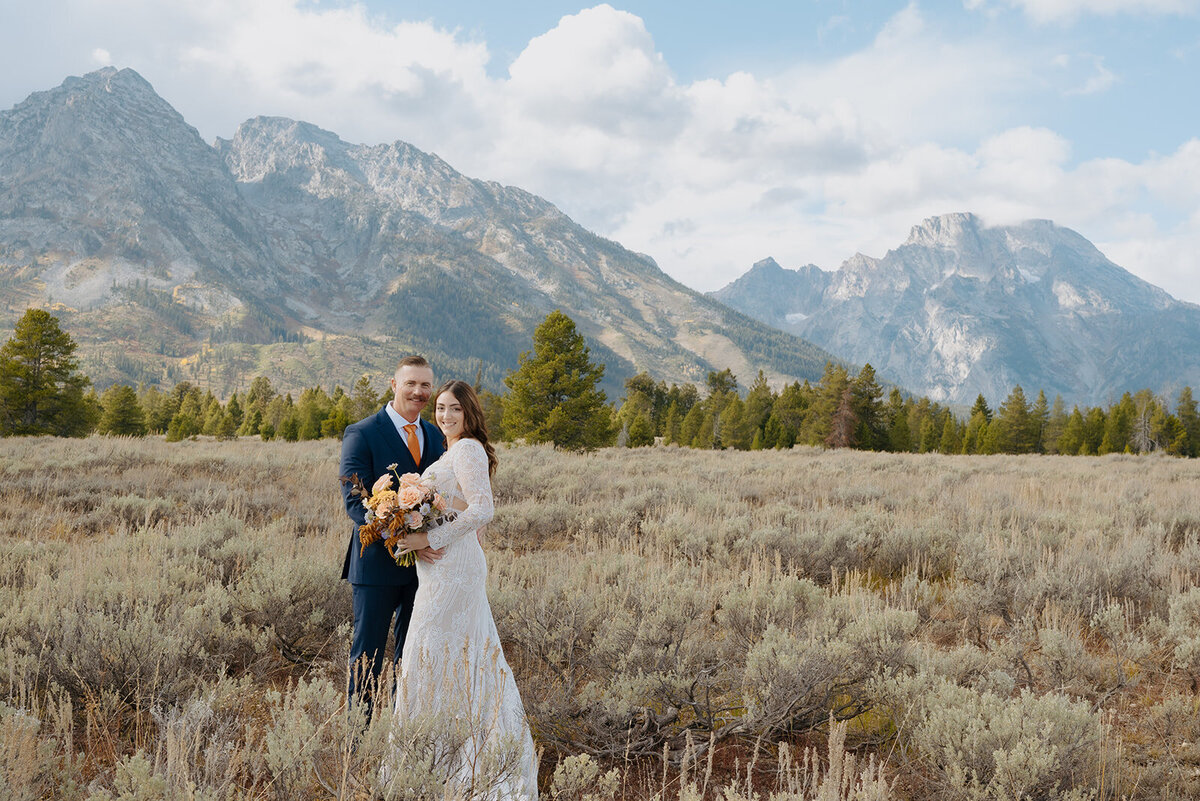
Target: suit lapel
x=396 y=445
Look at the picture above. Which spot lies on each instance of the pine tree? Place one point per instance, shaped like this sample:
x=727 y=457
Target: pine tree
x=1166 y=432
x=554 y=395
x=670 y=428
x=227 y=427
x=737 y=430
x=1094 y=425
x=1118 y=426
x=975 y=437
x=41 y=388
x=641 y=432
x=867 y=405
x=844 y=422
x=151 y=400
x=690 y=426
x=721 y=383
x=772 y=432
x=1056 y=423
x=899 y=436
x=1039 y=418
x=638 y=402
x=1014 y=432
x=122 y=415
x=818 y=422
x=367 y=402
x=981 y=406
x=706 y=434
x=789 y=412
x=213 y=414
x=759 y=402
x=234 y=408
x=930 y=435
x=339 y=417
x=1189 y=419
x=312 y=409
x=1072 y=439
x=950 y=442
x=289 y=428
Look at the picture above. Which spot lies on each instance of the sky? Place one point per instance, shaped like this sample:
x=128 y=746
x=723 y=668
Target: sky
x=709 y=135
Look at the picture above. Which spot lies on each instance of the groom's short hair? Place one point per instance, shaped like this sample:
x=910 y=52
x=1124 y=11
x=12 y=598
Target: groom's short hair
x=412 y=361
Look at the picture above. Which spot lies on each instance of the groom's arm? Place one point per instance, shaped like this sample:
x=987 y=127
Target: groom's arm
x=356 y=461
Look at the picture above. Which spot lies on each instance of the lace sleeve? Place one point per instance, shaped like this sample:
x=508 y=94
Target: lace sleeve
x=470 y=464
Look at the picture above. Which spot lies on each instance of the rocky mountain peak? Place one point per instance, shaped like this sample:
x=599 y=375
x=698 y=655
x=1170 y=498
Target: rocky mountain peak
x=962 y=308
x=263 y=146
x=946 y=231
x=766 y=266
x=157 y=245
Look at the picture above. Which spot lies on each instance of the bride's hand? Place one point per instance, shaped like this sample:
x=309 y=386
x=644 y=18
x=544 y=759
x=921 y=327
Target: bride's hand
x=414 y=542
x=430 y=556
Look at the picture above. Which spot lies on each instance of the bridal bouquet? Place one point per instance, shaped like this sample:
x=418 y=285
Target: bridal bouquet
x=414 y=506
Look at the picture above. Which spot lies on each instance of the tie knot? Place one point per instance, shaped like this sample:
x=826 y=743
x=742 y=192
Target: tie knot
x=410 y=428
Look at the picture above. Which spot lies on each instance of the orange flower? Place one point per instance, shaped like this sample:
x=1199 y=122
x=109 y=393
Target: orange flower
x=379 y=499
x=410 y=496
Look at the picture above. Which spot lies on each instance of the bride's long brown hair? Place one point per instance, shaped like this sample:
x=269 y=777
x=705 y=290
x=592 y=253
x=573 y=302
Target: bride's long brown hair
x=474 y=424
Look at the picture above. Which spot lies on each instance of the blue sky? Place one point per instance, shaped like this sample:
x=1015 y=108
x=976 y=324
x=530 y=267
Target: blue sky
x=710 y=135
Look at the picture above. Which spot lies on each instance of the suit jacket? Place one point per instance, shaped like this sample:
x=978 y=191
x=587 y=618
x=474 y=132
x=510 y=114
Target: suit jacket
x=368 y=447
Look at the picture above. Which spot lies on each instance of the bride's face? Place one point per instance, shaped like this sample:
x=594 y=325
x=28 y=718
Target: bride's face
x=449 y=414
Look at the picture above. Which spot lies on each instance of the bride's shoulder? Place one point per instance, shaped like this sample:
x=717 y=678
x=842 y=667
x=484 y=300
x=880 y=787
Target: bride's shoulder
x=467 y=447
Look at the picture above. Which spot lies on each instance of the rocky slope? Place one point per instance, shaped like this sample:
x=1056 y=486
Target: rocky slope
x=961 y=308
x=287 y=251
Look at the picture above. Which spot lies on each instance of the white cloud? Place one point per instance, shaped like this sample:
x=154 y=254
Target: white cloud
x=1062 y=11
x=809 y=164
x=102 y=57
x=1085 y=74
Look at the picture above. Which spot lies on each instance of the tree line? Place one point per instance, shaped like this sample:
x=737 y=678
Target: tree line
x=553 y=396
x=841 y=411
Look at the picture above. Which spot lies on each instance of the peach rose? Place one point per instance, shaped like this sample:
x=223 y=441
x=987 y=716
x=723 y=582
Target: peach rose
x=410 y=495
x=382 y=483
x=413 y=519
x=410 y=479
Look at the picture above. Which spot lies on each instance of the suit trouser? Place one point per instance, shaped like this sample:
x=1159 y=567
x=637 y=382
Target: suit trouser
x=376 y=606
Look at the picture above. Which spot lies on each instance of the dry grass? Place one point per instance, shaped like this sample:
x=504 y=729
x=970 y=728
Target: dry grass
x=682 y=623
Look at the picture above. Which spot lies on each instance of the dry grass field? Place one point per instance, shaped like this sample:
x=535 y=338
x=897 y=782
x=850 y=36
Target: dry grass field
x=683 y=624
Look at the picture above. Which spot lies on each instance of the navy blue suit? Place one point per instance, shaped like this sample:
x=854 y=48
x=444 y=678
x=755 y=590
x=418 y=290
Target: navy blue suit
x=382 y=589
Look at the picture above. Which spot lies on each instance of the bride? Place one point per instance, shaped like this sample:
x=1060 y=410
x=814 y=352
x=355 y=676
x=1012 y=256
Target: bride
x=452 y=669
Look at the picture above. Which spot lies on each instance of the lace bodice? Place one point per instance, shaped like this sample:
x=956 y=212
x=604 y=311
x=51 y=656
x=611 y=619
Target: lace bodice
x=462 y=474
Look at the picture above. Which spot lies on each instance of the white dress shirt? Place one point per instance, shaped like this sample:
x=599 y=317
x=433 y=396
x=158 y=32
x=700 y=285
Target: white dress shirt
x=399 y=421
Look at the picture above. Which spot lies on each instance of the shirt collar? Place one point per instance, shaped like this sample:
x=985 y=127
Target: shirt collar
x=398 y=419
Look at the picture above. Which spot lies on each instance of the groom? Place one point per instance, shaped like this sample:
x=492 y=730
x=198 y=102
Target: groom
x=384 y=591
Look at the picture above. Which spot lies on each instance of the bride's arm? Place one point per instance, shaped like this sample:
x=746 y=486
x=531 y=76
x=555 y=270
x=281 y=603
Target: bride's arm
x=471 y=469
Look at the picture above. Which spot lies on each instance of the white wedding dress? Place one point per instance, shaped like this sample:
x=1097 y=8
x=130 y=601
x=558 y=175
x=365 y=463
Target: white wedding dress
x=452 y=667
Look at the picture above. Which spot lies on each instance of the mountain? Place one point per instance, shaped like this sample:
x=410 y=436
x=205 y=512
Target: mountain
x=288 y=252
x=961 y=309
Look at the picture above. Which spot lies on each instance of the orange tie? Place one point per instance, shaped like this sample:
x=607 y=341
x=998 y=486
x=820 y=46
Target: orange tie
x=414 y=447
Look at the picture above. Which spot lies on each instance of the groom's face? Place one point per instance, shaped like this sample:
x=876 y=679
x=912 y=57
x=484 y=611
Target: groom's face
x=412 y=386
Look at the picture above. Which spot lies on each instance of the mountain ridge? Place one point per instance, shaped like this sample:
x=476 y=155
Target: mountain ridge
x=289 y=252
x=961 y=308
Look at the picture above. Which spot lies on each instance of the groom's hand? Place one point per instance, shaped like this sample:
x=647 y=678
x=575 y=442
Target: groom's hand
x=430 y=555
